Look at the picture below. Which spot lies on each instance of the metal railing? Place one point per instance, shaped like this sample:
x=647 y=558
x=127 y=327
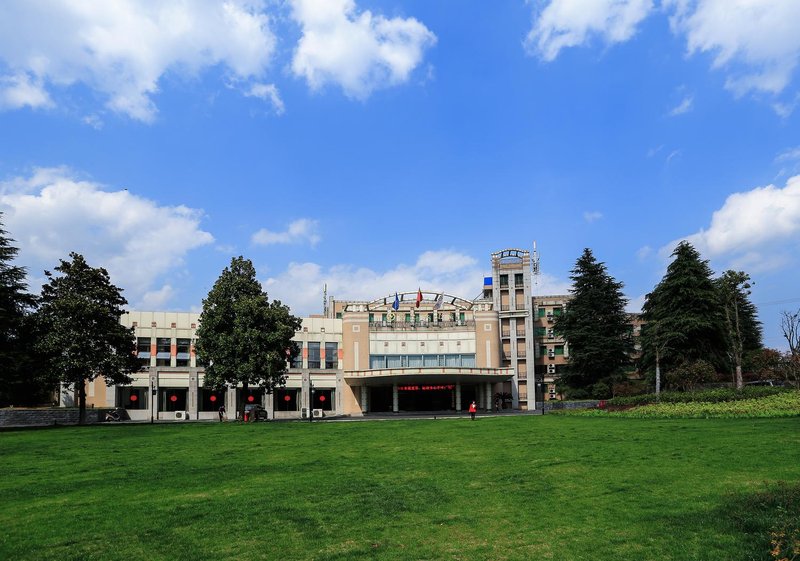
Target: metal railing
x=413 y=325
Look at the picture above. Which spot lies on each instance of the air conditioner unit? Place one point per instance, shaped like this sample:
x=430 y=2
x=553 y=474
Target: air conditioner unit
x=304 y=413
x=551 y=368
x=317 y=413
x=181 y=415
x=551 y=354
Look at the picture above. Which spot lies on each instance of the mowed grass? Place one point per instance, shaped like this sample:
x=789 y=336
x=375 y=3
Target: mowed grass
x=527 y=488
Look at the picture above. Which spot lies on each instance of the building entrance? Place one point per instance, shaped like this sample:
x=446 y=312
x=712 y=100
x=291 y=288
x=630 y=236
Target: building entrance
x=426 y=397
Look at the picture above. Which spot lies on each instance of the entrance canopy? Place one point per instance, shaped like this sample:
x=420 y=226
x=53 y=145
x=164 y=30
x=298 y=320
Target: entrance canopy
x=436 y=375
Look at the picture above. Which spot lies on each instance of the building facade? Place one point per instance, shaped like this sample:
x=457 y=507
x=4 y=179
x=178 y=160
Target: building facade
x=410 y=351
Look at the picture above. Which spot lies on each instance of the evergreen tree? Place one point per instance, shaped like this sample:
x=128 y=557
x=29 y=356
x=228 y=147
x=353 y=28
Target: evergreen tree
x=17 y=384
x=79 y=328
x=596 y=327
x=244 y=338
x=742 y=328
x=683 y=316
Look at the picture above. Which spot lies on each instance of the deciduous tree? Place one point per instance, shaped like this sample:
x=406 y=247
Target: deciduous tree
x=244 y=338
x=596 y=327
x=79 y=328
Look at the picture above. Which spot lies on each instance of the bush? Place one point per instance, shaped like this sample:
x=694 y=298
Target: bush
x=706 y=396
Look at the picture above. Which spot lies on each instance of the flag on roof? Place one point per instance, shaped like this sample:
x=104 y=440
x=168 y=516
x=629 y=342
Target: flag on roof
x=396 y=303
x=419 y=297
x=439 y=301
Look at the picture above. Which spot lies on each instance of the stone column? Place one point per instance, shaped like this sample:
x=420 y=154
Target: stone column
x=395 y=399
x=269 y=404
x=153 y=398
x=364 y=399
x=489 y=400
x=193 y=403
x=458 y=396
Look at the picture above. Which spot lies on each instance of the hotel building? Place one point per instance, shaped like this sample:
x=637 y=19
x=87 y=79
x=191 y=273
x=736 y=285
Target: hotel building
x=410 y=351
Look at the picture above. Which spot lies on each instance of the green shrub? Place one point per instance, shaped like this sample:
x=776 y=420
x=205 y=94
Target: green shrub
x=706 y=396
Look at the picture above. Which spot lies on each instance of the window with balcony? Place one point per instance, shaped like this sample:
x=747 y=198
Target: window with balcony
x=503 y=281
x=518 y=279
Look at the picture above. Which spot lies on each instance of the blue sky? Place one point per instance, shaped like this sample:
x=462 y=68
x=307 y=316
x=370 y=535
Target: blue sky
x=381 y=146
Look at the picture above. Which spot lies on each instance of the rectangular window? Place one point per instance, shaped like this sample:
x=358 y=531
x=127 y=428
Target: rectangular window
x=376 y=362
x=143 y=351
x=462 y=317
x=338 y=315
x=542 y=350
x=557 y=312
x=542 y=312
x=518 y=281
x=323 y=399
x=313 y=354
x=540 y=331
x=172 y=399
x=559 y=349
x=430 y=361
x=468 y=361
x=286 y=399
x=394 y=361
x=183 y=349
x=503 y=281
x=132 y=398
x=415 y=361
x=211 y=400
x=163 y=355
x=371 y=318
x=331 y=355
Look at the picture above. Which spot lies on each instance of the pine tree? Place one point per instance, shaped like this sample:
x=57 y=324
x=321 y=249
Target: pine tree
x=17 y=384
x=244 y=338
x=79 y=328
x=683 y=315
x=596 y=327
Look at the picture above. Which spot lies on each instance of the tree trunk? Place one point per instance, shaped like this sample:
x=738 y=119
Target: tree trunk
x=739 y=381
x=241 y=401
x=658 y=375
x=80 y=386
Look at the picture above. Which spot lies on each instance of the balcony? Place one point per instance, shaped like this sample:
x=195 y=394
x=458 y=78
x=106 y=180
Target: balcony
x=506 y=333
x=521 y=354
x=520 y=333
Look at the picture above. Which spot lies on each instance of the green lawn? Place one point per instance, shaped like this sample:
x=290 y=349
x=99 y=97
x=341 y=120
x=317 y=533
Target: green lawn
x=527 y=488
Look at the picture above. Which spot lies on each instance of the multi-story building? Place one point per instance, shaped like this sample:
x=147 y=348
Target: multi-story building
x=422 y=350
x=552 y=351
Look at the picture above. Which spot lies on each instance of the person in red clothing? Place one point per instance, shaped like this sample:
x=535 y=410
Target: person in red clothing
x=473 y=408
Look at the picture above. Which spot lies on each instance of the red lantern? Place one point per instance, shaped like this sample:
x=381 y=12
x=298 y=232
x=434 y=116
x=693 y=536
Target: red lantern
x=322 y=398
x=173 y=398
x=134 y=397
x=212 y=399
x=250 y=398
x=287 y=398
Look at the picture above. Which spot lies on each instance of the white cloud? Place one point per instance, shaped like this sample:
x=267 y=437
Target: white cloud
x=547 y=285
x=302 y=230
x=757 y=41
x=267 y=92
x=359 y=51
x=52 y=213
x=301 y=284
x=156 y=299
x=759 y=229
x=593 y=216
x=683 y=107
x=789 y=155
x=122 y=48
x=571 y=23
x=644 y=252
x=19 y=91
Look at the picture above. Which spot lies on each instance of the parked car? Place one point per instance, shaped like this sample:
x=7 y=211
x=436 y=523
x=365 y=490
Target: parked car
x=254 y=412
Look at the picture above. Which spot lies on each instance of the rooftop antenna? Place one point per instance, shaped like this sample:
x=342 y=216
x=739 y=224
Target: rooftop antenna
x=535 y=264
x=325 y=300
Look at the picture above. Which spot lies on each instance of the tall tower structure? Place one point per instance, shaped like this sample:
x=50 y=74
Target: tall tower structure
x=512 y=298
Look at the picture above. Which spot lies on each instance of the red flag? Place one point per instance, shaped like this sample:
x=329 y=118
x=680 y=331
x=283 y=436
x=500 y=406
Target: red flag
x=419 y=297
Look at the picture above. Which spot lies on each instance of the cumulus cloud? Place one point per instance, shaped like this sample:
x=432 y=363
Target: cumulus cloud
x=570 y=23
x=122 y=48
x=301 y=284
x=299 y=231
x=52 y=213
x=757 y=229
x=756 y=41
x=358 y=51
x=789 y=155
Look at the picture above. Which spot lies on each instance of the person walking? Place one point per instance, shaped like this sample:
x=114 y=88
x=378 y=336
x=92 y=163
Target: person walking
x=221 y=413
x=473 y=408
